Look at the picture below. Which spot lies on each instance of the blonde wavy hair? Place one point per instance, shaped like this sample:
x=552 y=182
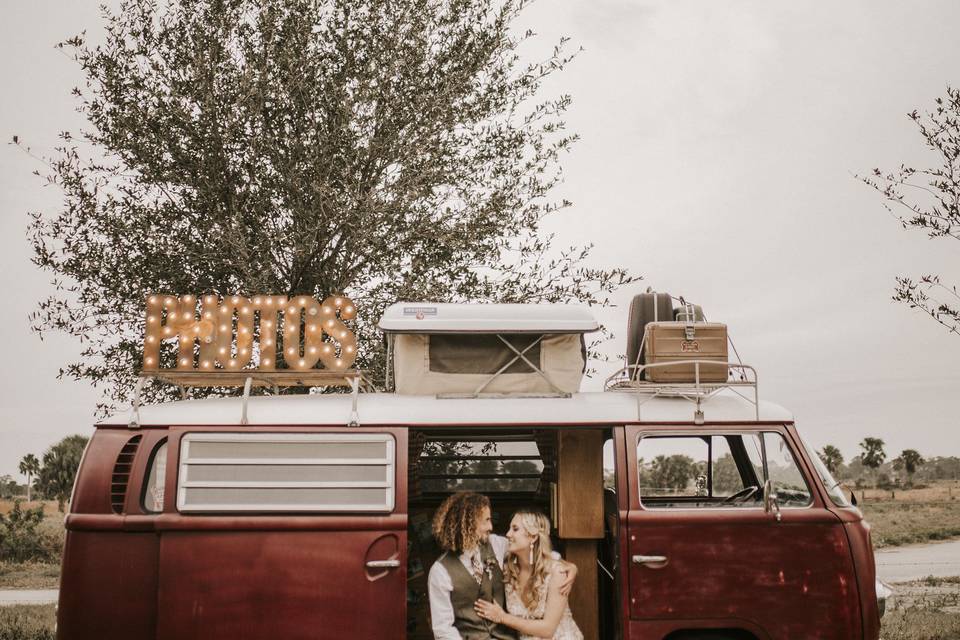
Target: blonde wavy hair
x=537 y=526
x=455 y=521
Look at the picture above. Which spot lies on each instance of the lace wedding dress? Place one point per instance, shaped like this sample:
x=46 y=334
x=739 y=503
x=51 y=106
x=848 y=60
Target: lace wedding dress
x=566 y=630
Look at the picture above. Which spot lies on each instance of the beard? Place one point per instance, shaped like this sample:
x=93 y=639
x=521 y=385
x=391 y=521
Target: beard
x=484 y=538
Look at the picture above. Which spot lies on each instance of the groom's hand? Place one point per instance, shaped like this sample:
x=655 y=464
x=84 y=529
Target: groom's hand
x=569 y=572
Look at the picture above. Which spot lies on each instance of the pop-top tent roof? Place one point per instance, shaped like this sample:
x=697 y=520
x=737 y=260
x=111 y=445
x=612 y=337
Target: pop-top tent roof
x=435 y=317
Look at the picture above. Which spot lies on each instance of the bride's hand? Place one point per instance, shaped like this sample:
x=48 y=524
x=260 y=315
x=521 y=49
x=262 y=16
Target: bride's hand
x=489 y=610
x=568 y=571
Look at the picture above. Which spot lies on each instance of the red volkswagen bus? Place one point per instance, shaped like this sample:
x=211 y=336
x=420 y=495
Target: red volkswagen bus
x=691 y=509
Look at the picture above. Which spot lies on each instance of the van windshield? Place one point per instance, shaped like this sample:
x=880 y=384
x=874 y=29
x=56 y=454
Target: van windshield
x=834 y=490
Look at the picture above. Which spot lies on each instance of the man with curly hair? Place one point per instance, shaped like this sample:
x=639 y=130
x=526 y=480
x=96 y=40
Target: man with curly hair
x=471 y=567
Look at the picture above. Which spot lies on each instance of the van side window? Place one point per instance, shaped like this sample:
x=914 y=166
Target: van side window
x=152 y=500
x=673 y=467
x=488 y=466
x=785 y=475
x=718 y=471
x=291 y=472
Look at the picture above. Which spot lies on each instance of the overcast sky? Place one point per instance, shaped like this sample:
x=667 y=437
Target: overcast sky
x=718 y=153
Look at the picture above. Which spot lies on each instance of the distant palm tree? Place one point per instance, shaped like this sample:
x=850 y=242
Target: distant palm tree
x=29 y=467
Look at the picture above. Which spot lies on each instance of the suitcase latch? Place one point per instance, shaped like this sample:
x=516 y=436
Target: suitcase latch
x=689 y=332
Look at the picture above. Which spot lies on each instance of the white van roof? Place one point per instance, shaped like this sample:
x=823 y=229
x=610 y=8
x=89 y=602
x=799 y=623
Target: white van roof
x=407 y=410
x=437 y=317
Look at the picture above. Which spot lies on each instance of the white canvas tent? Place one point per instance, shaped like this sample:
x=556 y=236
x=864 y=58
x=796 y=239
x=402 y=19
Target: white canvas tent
x=476 y=349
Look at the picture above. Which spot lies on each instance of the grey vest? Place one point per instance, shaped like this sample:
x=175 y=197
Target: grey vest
x=466 y=591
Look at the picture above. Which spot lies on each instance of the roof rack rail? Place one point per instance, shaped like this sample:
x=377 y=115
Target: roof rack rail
x=355 y=379
x=630 y=379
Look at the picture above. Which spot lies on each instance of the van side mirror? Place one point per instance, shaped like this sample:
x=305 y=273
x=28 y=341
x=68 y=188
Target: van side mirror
x=770 y=499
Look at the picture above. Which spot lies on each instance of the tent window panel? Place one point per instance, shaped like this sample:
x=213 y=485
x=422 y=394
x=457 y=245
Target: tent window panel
x=481 y=353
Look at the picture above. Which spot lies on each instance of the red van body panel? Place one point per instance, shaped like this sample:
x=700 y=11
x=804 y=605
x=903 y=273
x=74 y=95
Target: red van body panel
x=270 y=575
x=739 y=568
x=225 y=575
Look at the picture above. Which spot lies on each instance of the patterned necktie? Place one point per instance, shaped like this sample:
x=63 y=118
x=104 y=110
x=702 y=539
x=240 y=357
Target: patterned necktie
x=477 y=566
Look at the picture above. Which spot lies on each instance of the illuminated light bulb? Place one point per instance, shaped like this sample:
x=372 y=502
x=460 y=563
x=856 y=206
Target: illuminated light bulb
x=153 y=299
x=338 y=302
x=209 y=300
x=223 y=327
x=339 y=362
x=313 y=311
x=207 y=339
x=168 y=300
x=224 y=309
x=207 y=314
x=312 y=329
x=327 y=309
x=291 y=350
x=184 y=361
x=256 y=300
x=330 y=322
x=242 y=351
x=187 y=298
x=302 y=363
x=235 y=299
x=172 y=315
x=313 y=349
x=206 y=364
x=244 y=330
x=167 y=331
x=266 y=361
x=245 y=310
x=327 y=348
x=292 y=310
x=349 y=349
x=269 y=302
x=149 y=360
x=348 y=309
x=223 y=350
x=302 y=301
x=151 y=339
x=151 y=318
x=343 y=334
x=267 y=342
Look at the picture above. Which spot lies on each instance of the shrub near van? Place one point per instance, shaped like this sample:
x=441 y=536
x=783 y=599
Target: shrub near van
x=691 y=508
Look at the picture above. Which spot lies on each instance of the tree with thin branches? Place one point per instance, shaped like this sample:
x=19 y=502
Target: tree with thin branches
x=928 y=199
x=385 y=150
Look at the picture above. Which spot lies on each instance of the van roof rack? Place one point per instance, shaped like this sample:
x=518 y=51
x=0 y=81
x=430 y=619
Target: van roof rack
x=354 y=379
x=630 y=379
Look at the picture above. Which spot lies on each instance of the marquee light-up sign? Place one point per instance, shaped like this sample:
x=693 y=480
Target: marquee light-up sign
x=225 y=330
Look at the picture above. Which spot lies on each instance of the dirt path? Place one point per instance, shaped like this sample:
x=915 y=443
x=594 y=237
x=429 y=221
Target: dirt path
x=901 y=564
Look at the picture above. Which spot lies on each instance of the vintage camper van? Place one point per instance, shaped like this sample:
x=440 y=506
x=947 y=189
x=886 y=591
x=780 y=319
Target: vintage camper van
x=691 y=508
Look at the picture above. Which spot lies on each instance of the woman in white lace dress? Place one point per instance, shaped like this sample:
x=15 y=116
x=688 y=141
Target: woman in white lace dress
x=535 y=606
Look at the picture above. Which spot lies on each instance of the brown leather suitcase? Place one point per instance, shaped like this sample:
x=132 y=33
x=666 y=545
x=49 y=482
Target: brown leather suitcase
x=674 y=341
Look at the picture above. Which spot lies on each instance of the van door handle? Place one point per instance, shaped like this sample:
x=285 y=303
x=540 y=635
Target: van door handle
x=383 y=564
x=650 y=560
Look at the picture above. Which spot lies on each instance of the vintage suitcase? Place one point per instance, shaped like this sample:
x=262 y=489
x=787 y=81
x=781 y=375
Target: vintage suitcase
x=673 y=341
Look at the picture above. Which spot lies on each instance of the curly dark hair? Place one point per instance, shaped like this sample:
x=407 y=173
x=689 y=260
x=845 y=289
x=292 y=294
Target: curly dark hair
x=455 y=521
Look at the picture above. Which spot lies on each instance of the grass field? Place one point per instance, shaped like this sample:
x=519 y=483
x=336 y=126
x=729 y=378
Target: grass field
x=913 y=515
x=27 y=622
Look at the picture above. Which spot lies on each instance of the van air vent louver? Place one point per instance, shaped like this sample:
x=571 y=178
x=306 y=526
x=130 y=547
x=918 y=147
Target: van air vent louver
x=121 y=474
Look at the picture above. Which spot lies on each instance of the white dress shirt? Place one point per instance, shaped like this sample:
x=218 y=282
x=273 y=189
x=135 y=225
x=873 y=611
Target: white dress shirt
x=439 y=586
